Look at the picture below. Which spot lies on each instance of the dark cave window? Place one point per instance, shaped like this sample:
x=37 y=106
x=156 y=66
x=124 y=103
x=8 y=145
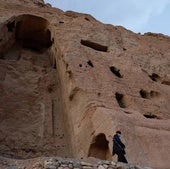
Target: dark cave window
x=32 y=32
x=120 y=100
x=90 y=63
x=94 y=45
x=144 y=94
x=150 y=116
x=154 y=77
x=115 y=71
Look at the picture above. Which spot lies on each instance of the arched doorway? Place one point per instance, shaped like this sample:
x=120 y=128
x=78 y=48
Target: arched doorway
x=33 y=32
x=99 y=147
x=24 y=31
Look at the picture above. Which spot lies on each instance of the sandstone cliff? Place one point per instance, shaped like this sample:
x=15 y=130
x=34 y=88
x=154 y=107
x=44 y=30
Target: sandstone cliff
x=68 y=82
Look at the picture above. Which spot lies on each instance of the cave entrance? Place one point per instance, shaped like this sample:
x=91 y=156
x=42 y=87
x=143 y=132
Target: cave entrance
x=24 y=31
x=99 y=147
x=32 y=32
x=33 y=93
x=115 y=71
x=120 y=100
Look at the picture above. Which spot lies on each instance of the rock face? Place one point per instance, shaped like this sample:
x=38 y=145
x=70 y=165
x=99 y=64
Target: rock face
x=68 y=82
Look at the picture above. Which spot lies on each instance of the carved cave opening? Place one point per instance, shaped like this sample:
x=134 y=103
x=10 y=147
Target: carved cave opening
x=148 y=95
x=120 y=100
x=150 y=116
x=99 y=147
x=87 y=19
x=90 y=63
x=32 y=99
x=115 y=71
x=144 y=94
x=24 y=31
x=155 y=77
x=94 y=45
x=32 y=32
x=166 y=82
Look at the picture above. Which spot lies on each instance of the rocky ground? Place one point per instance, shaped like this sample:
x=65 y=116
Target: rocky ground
x=64 y=163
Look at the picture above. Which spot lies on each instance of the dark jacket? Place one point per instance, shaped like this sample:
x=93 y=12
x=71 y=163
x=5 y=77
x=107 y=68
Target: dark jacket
x=118 y=146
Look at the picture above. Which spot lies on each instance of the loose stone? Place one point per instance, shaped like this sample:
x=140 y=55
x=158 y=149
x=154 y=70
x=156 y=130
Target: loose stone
x=100 y=167
x=60 y=167
x=87 y=167
x=105 y=166
x=49 y=165
x=64 y=165
x=85 y=164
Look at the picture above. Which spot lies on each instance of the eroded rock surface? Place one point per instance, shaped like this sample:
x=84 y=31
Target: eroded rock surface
x=68 y=82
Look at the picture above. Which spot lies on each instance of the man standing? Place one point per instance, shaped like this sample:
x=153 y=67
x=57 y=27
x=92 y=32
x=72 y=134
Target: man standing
x=119 y=147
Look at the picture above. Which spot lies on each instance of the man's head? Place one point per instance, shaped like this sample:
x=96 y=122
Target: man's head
x=118 y=133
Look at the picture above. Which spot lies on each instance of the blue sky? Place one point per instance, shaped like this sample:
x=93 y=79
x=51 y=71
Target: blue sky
x=137 y=15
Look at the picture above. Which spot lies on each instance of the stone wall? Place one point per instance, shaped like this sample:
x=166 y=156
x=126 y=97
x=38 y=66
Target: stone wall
x=65 y=163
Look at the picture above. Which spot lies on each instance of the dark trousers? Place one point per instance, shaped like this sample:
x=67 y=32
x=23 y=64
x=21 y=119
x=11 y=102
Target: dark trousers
x=121 y=157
